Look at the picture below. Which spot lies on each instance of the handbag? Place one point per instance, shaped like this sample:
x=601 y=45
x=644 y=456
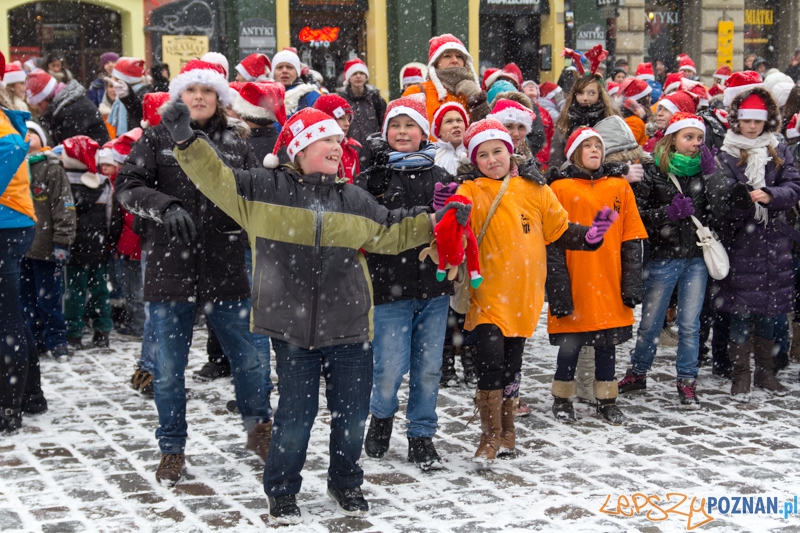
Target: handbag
x=460 y=300
x=714 y=253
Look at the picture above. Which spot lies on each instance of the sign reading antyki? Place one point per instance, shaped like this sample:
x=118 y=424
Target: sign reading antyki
x=257 y=36
x=610 y=3
x=589 y=35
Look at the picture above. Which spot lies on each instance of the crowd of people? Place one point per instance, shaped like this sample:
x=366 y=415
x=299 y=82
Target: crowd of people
x=309 y=224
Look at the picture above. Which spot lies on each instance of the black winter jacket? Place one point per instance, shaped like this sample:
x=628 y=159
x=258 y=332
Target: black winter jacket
x=262 y=140
x=93 y=242
x=368 y=112
x=210 y=269
x=404 y=276
x=71 y=113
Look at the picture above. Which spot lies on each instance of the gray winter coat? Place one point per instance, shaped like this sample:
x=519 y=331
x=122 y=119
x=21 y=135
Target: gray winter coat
x=53 y=205
x=368 y=112
x=71 y=113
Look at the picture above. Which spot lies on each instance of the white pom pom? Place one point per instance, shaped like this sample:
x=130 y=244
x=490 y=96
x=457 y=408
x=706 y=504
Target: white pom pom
x=464 y=158
x=271 y=161
x=144 y=124
x=90 y=179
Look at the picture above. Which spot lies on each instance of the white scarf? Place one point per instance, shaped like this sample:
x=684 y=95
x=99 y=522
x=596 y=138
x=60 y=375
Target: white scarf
x=757 y=159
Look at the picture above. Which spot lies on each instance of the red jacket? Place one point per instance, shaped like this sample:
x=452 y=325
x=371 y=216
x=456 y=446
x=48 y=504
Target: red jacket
x=349 y=167
x=549 y=129
x=129 y=243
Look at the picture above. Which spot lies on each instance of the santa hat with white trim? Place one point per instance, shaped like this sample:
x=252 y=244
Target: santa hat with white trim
x=199 y=72
x=129 y=69
x=411 y=74
x=634 y=88
x=673 y=82
x=685 y=63
x=682 y=120
x=644 y=71
x=303 y=128
x=549 y=89
x=442 y=111
x=507 y=112
x=411 y=107
x=679 y=101
x=738 y=82
x=438 y=46
x=14 y=73
x=510 y=72
x=482 y=131
x=613 y=88
x=38 y=130
x=723 y=73
x=105 y=156
x=80 y=153
x=39 y=86
x=355 y=65
x=255 y=67
x=217 y=59
x=259 y=102
x=578 y=136
x=753 y=108
x=334 y=105
x=151 y=108
x=791 y=128
x=121 y=146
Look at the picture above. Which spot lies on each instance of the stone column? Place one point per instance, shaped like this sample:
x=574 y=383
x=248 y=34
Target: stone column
x=713 y=11
x=630 y=33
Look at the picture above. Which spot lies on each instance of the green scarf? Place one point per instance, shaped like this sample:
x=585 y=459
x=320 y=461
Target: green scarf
x=681 y=165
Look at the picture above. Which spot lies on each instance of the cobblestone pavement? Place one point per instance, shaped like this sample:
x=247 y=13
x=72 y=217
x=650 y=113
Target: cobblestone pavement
x=88 y=463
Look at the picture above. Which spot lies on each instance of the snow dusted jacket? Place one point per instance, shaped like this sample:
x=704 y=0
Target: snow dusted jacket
x=71 y=113
x=311 y=286
x=368 y=112
x=210 y=269
x=761 y=279
x=53 y=204
x=92 y=241
x=16 y=206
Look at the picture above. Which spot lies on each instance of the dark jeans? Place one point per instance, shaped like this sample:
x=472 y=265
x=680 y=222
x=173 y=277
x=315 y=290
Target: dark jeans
x=40 y=296
x=347 y=369
x=134 y=296
x=457 y=337
x=499 y=358
x=604 y=361
x=14 y=346
x=763 y=326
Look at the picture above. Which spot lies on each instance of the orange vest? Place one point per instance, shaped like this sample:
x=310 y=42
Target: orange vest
x=17 y=195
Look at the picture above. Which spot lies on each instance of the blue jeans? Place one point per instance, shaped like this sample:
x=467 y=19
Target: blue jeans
x=347 y=369
x=14 y=242
x=763 y=326
x=660 y=278
x=40 y=296
x=261 y=342
x=172 y=323
x=147 y=361
x=409 y=336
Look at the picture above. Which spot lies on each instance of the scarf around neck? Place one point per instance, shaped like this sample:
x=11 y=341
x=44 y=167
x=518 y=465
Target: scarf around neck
x=682 y=165
x=757 y=159
x=452 y=76
x=585 y=115
x=422 y=159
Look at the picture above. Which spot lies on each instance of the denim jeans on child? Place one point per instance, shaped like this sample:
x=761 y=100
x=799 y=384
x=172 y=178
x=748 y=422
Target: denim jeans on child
x=40 y=296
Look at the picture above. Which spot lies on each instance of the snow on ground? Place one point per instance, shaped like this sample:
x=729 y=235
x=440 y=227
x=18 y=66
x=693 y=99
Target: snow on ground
x=88 y=463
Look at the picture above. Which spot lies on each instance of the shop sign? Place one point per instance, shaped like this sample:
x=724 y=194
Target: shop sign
x=257 y=36
x=590 y=35
x=664 y=17
x=319 y=37
x=329 y=5
x=515 y=7
x=758 y=17
x=65 y=35
x=177 y=50
x=610 y=3
x=725 y=43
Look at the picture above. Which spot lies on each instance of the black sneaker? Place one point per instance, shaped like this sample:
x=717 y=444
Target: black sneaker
x=688 y=394
x=34 y=404
x=61 y=353
x=422 y=453
x=632 y=382
x=449 y=377
x=378 y=436
x=284 y=509
x=100 y=339
x=212 y=371
x=349 y=501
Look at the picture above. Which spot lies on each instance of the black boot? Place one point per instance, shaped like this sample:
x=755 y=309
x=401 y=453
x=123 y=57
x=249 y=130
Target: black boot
x=449 y=378
x=100 y=339
x=468 y=364
x=378 y=436
x=780 y=361
x=10 y=420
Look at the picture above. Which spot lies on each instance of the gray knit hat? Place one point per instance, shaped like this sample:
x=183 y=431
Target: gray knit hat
x=616 y=134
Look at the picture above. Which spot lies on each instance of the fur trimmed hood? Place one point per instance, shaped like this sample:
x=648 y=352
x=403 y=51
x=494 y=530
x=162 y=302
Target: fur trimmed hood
x=773 y=113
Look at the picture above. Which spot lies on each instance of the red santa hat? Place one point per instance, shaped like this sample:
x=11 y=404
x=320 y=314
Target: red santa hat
x=259 y=101
x=485 y=83
x=105 y=156
x=685 y=63
x=753 y=108
x=411 y=74
x=512 y=112
x=303 y=128
x=129 y=69
x=484 y=130
x=613 y=88
x=412 y=107
x=199 y=72
x=2 y=66
x=634 y=88
x=80 y=153
x=14 y=73
x=287 y=56
x=548 y=89
x=673 y=82
x=682 y=120
x=255 y=67
x=679 y=101
x=121 y=146
x=510 y=72
x=723 y=73
x=578 y=136
x=151 y=108
x=701 y=91
x=791 y=128
x=738 y=82
x=333 y=105
x=442 y=111
x=39 y=86
x=438 y=46
x=217 y=59
x=644 y=71
x=355 y=65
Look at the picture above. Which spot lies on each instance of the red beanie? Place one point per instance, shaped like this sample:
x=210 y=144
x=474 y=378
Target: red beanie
x=255 y=67
x=442 y=111
x=578 y=136
x=682 y=120
x=679 y=101
x=333 y=105
x=485 y=130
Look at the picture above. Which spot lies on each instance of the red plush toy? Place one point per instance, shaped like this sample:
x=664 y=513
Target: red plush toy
x=454 y=241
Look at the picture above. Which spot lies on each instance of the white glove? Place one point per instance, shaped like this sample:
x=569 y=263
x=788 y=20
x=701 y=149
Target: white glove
x=635 y=172
x=120 y=87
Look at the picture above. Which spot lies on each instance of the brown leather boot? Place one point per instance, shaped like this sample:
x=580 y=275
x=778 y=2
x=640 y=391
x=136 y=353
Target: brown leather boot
x=508 y=436
x=258 y=439
x=740 y=373
x=763 y=376
x=489 y=404
x=170 y=469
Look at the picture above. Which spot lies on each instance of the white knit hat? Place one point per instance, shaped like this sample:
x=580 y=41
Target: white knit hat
x=201 y=72
x=287 y=56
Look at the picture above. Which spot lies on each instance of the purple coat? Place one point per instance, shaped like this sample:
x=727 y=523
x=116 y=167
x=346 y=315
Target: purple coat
x=761 y=279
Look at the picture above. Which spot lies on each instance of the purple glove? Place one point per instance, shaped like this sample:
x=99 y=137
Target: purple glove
x=708 y=164
x=680 y=208
x=441 y=193
x=602 y=221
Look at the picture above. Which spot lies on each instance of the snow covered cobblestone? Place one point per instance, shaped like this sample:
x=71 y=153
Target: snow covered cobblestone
x=88 y=464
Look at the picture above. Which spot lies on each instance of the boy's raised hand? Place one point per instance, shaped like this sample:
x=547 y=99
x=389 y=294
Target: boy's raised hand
x=176 y=118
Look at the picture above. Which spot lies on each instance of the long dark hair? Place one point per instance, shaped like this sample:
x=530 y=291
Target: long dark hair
x=584 y=81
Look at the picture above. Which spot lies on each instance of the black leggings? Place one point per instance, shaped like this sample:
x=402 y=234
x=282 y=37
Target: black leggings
x=604 y=361
x=499 y=358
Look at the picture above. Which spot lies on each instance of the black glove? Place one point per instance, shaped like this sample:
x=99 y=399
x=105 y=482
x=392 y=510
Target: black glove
x=740 y=196
x=61 y=255
x=462 y=213
x=378 y=180
x=176 y=118
x=630 y=302
x=179 y=224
